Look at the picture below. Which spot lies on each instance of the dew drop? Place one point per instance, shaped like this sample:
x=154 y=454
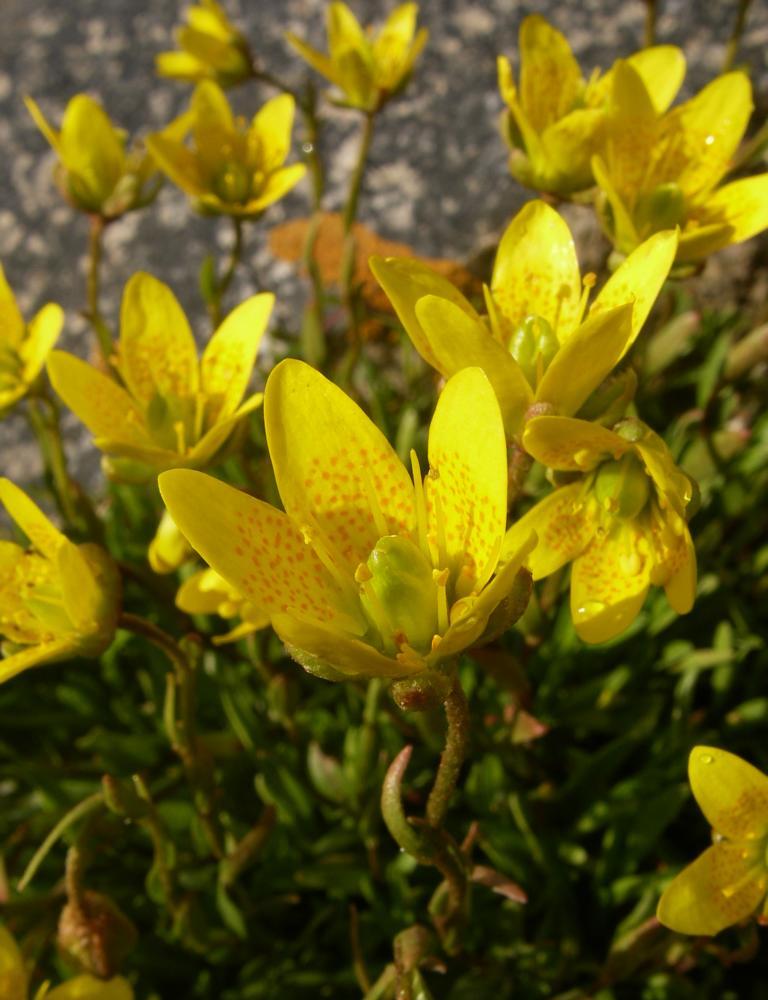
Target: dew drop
x=589 y=609
x=707 y=758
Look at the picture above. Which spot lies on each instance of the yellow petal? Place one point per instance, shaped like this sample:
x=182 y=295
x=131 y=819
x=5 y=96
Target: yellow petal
x=211 y=18
x=528 y=134
x=227 y=363
x=585 y=359
x=717 y=890
x=104 y=407
x=157 y=354
x=623 y=231
x=42 y=334
x=11 y=320
x=278 y=183
x=36 y=656
x=332 y=463
x=742 y=205
x=28 y=516
x=213 y=439
x=405 y=281
x=458 y=341
x=90 y=147
x=13 y=975
x=609 y=581
x=680 y=588
x=181 y=66
x=701 y=136
x=317 y=60
x=178 y=162
x=253 y=546
x=272 y=125
x=671 y=483
x=566 y=150
x=638 y=280
x=466 y=629
x=168 y=549
x=79 y=588
x=390 y=48
x=731 y=793
x=467 y=482
x=89 y=988
x=345 y=33
x=536 y=271
x=632 y=130
x=42 y=123
x=213 y=123
x=563 y=526
x=662 y=70
x=550 y=78
x=345 y=654
x=571 y=445
x=204 y=593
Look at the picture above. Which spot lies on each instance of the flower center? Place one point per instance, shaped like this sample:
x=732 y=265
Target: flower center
x=661 y=208
x=232 y=182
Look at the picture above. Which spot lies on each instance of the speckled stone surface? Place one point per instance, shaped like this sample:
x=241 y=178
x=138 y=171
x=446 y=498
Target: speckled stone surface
x=437 y=177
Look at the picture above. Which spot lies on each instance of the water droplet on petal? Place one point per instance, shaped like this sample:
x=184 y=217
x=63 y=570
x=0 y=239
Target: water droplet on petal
x=589 y=609
x=707 y=758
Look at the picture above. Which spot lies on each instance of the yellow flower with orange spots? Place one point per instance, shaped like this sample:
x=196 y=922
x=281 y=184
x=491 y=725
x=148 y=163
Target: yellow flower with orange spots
x=206 y=593
x=57 y=600
x=659 y=170
x=172 y=410
x=210 y=48
x=368 y=69
x=535 y=344
x=14 y=980
x=728 y=882
x=368 y=572
x=96 y=172
x=622 y=522
x=23 y=346
x=230 y=167
x=555 y=117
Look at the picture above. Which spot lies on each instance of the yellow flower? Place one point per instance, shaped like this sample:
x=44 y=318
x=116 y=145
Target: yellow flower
x=622 y=522
x=96 y=173
x=533 y=344
x=169 y=549
x=368 y=573
x=172 y=410
x=728 y=882
x=555 y=117
x=368 y=69
x=211 y=48
x=206 y=593
x=23 y=347
x=57 y=600
x=660 y=170
x=231 y=167
x=14 y=981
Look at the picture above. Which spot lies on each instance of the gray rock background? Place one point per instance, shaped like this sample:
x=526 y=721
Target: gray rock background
x=437 y=177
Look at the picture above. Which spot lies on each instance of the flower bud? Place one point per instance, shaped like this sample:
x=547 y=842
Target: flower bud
x=94 y=932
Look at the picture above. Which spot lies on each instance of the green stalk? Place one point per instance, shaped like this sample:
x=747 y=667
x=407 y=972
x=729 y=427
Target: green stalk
x=734 y=41
x=95 y=255
x=453 y=755
x=223 y=283
x=68 y=819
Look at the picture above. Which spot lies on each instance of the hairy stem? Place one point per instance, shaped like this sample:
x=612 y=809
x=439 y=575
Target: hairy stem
x=452 y=757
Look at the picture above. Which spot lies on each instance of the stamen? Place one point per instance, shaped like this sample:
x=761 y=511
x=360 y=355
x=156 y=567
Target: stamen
x=588 y=282
x=373 y=501
x=562 y=293
x=437 y=536
x=409 y=657
x=493 y=315
x=181 y=440
x=314 y=537
x=440 y=576
x=199 y=418
x=421 y=505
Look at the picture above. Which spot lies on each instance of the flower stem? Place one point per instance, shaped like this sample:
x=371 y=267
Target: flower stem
x=651 y=13
x=76 y=813
x=734 y=41
x=347 y=275
x=453 y=755
x=223 y=283
x=95 y=254
x=45 y=427
x=181 y=729
x=313 y=328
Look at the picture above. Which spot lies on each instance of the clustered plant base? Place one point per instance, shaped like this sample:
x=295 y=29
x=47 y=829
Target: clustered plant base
x=380 y=679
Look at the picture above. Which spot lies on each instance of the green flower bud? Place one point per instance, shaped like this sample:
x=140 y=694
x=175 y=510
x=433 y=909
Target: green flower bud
x=232 y=182
x=400 y=597
x=533 y=345
x=662 y=208
x=622 y=486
